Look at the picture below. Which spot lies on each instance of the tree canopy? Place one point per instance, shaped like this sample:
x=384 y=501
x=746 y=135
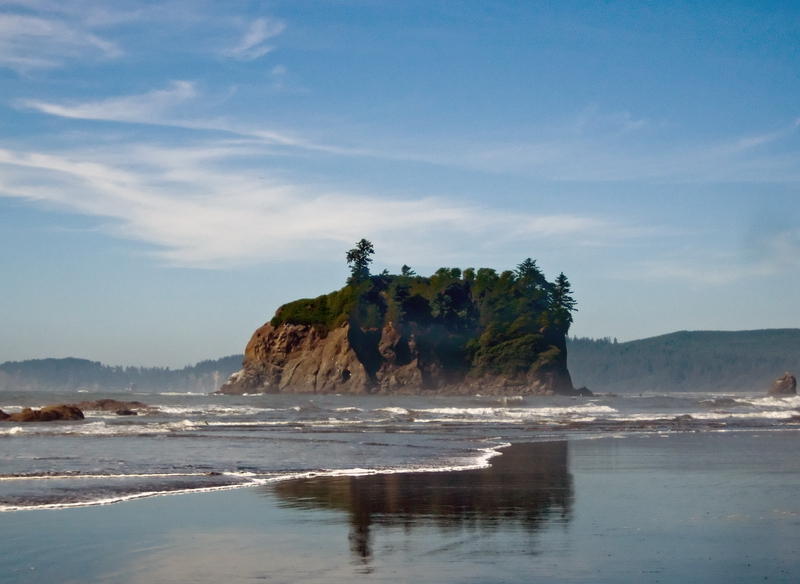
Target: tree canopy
x=474 y=319
x=359 y=259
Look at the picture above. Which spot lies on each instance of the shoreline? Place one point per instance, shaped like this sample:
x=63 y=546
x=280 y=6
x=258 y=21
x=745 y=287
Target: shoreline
x=482 y=459
x=650 y=506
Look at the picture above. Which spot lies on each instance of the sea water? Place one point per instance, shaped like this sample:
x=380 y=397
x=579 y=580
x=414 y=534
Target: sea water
x=186 y=443
x=661 y=507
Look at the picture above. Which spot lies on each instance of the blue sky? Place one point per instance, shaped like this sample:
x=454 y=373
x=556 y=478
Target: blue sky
x=171 y=172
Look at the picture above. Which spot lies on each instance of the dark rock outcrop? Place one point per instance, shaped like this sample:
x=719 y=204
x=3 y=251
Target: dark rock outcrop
x=785 y=385
x=74 y=411
x=296 y=358
x=111 y=405
x=46 y=414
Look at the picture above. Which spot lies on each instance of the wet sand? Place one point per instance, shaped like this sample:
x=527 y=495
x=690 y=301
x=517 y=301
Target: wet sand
x=693 y=507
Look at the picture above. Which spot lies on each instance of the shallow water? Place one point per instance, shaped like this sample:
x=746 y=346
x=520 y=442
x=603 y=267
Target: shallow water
x=191 y=443
x=670 y=508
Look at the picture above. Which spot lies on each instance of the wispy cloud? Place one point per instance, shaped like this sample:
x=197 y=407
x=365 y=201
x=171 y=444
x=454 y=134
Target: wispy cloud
x=158 y=107
x=772 y=255
x=252 y=44
x=148 y=107
x=592 y=146
x=623 y=148
x=197 y=211
x=31 y=42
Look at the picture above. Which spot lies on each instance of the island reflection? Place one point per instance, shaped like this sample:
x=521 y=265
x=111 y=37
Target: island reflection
x=526 y=486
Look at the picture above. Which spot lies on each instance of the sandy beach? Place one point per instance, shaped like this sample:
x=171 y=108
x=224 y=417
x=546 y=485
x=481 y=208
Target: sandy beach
x=710 y=507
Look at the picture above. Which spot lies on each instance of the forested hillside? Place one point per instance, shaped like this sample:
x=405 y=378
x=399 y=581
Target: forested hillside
x=686 y=361
x=71 y=374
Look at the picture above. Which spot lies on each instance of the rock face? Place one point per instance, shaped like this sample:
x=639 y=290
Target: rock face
x=74 y=411
x=46 y=414
x=112 y=405
x=785 y=385
x=297 y=358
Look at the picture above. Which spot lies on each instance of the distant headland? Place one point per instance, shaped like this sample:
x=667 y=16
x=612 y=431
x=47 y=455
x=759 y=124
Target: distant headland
x=456 y=331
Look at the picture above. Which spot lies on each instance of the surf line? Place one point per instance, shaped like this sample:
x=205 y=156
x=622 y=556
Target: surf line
x=482 y=460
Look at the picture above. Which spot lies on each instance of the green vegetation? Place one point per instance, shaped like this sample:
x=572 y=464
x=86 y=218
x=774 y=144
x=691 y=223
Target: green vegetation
x=686 y=361
x=359 y=258
x=477 y=320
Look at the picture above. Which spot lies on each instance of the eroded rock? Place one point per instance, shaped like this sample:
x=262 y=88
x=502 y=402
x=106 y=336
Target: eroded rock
x=784 y=385
x=111 y=405
x=46 y=414
x=305 y=359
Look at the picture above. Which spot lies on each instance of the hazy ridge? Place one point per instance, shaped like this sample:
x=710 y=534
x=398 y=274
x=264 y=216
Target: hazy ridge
x=686 y=361
x=71 y=374
x=679 y=361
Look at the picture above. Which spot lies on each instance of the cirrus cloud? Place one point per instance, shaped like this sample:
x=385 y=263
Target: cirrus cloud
x=199 y=212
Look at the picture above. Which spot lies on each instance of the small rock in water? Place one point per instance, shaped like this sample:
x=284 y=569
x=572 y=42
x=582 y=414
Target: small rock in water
x=786 y=385
x=46 y=414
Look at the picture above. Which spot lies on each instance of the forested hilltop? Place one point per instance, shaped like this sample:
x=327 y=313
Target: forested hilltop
x=686 y=361
x=454 y=331
x=71 y=374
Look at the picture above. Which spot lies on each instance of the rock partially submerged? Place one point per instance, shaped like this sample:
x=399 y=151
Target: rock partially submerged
x=125 y=412
x=74 y=411
x=46 y=414
x=111 y=405
x=785 y=385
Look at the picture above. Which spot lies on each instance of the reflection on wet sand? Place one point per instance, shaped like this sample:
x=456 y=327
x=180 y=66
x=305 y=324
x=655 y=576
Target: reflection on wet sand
x=527 y=485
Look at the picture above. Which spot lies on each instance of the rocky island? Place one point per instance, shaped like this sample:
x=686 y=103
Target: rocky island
x=455 y=332
x=783 y=386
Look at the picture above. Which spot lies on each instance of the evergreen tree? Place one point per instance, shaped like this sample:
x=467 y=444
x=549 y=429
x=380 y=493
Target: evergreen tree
x=359 y=260
x=562 y=303
x=529 y=273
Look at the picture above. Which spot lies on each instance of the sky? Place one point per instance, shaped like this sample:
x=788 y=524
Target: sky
x=172 y=172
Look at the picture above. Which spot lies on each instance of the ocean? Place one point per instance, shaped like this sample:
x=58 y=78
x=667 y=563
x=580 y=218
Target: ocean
x=205 y=489
x=187 y=443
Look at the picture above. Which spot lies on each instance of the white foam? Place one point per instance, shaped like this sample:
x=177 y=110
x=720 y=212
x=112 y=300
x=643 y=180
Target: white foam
x=101 y=428
x=789 y=402
x=211 y=409
x=13 y=431
x=509 y=415
x=394 y=410
x=478 y=461
x=103 y=476
x=661 y=416
x=770 y=415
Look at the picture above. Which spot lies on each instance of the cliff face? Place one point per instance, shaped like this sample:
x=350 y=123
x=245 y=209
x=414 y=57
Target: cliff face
x=301 y=358
x=467 y=332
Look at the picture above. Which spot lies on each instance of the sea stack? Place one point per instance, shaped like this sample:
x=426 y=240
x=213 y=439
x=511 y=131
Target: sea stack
x=785 y=385
x=454 y=332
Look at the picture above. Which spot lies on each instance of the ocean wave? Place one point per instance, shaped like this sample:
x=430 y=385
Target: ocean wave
x=348 y=410
x=506 y=415
x=102 y=428
x=212 y=410
x=397 y=411
x=789 y=402
x=479 y=458
x=13 y=431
